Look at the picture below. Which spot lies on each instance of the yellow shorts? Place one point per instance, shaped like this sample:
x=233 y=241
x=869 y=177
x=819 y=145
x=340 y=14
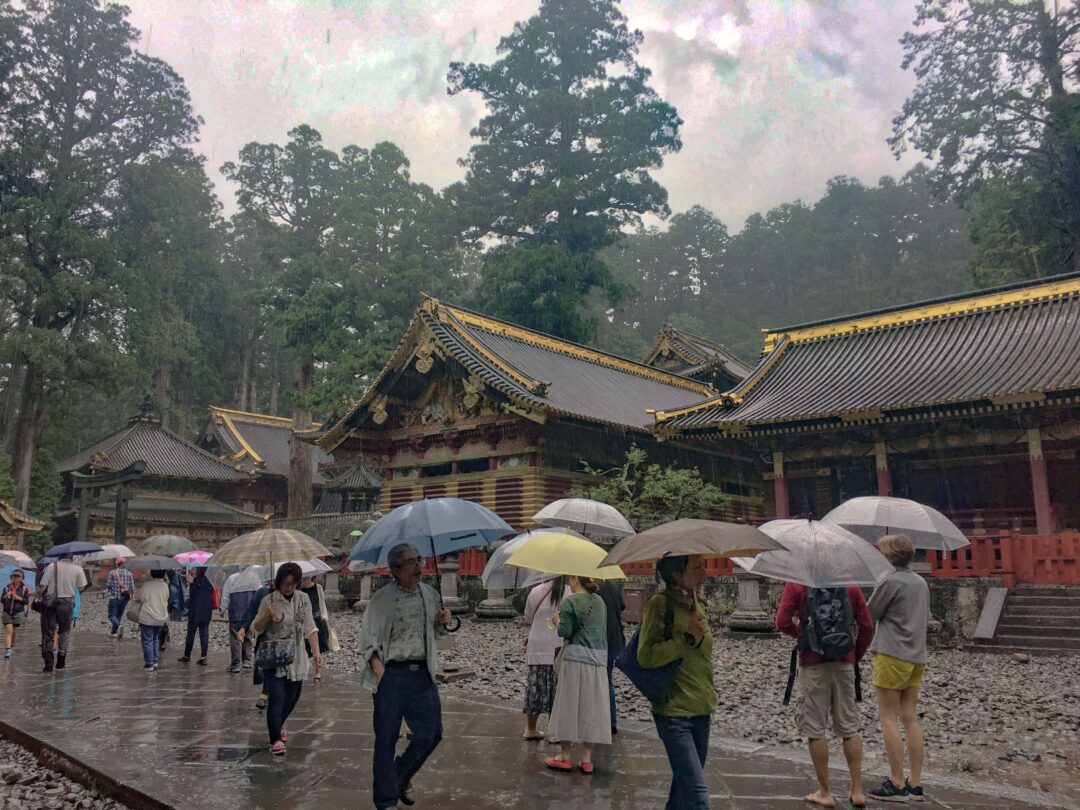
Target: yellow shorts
x=892 y=673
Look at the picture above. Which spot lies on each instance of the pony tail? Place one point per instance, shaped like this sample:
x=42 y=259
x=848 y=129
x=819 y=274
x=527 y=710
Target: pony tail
x=589 y=584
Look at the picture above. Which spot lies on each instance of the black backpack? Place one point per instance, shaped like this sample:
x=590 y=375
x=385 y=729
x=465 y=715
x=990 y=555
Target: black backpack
x=830 y=629
x=830 y=632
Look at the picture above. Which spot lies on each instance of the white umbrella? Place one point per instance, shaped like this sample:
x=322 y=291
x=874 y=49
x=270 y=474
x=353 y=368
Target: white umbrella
x=497 y=574
x=589 y=517
x=874 y=516
x=109 y=552
x=309 y=568
x=818 y=555
x=20 y=559
x=249 y=579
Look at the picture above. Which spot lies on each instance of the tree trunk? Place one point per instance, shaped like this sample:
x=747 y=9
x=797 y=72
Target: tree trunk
x=253 y=397
x=162 y=376
x=12 y=404
x=300 y=452
x=27 y=430
x=274 y=386
x=245 y=375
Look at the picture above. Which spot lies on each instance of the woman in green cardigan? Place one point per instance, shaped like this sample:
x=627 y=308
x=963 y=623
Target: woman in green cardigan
x=675 y=626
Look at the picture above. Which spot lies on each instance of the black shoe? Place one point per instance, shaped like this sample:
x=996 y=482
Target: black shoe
x=916 y=793
x=260 y=704
x=614 y=731
x=407 y=796
x=888 y=792
x=61 y=660
x=47 y=668
x=184 y=659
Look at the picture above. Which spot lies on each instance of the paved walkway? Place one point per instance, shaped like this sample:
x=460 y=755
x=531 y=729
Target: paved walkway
x=190 y=737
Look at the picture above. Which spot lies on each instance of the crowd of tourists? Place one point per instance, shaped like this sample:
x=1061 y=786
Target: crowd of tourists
x=575 y=638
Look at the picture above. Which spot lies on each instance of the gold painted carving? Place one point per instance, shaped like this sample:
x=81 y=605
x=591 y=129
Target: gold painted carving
x=473 y=385
x=424 y=356
x=379 y=413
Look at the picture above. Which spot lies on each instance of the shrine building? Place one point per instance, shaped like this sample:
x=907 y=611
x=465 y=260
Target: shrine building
x=968 y=403
x=473 y=407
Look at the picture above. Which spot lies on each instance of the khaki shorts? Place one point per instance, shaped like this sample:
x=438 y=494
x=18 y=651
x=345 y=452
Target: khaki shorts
x=824 y=690
x=16 y=620
x=893 y=673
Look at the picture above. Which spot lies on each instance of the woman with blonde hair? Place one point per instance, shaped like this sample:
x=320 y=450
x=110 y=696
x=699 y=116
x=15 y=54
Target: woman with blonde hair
x=900 y=606
x=582 y=710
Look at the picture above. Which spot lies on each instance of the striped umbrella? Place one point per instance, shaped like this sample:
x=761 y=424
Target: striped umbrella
x=264 y=546
x=193 y=559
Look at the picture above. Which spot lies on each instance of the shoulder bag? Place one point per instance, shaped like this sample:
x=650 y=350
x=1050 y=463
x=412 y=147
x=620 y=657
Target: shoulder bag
x=655 y=683
x=42 y=601
x=279 y=652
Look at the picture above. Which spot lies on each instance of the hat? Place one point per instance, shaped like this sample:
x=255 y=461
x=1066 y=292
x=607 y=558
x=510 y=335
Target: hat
x=17 y=572
x=120 y=561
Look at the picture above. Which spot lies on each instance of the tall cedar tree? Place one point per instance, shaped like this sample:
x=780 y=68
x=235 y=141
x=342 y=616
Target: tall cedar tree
x=572 y=130
x=995 y=99
x=293 y=189
x=79 y=106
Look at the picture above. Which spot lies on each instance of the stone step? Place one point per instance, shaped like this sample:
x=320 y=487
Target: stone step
x=1041 y=601
x=1039 y=630
x=1025 y=640
x=1046 y=590
x=1036 y=622
x=1036 y=610
x=1034 y=652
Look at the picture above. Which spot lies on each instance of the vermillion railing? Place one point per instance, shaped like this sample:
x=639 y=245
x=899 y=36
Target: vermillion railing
x=1014 y=558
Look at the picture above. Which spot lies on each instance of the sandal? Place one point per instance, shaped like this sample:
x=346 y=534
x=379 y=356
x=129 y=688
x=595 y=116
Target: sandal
x=586 y=767
x=557 y=764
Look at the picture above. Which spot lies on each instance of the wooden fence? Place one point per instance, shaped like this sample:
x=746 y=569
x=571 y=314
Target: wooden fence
x=1015 y=558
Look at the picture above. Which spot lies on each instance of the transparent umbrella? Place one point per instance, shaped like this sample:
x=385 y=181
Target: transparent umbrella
x=874 y=516
x=110 y=551
x=497 y=574
x=593 y=518
x=818 y=555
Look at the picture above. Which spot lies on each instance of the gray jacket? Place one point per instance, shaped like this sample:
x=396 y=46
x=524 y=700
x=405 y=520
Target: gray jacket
x=379 y=620
x=900 y=606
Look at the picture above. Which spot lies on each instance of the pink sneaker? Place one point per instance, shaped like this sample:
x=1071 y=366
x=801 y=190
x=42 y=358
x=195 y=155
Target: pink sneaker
x=278 y=749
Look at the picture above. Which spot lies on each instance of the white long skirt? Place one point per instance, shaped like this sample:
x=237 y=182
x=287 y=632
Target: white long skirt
x=582 y=711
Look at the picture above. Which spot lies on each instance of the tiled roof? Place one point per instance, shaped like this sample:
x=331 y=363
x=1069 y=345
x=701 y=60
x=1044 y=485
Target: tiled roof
x=1000 y=348
x=693 y=356
x=359 y=477
x=260 y=442
x=166 y=455
x=534 y=370
x=19 y=520
x=170 y=509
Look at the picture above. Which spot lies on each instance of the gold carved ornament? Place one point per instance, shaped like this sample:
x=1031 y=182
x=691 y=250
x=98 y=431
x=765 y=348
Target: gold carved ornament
x=425 y=356
x=379 y=413
x=473 y=385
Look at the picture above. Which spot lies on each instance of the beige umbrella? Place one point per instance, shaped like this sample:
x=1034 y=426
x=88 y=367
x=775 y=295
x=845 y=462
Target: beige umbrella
x=264 y=546
x=709 y=538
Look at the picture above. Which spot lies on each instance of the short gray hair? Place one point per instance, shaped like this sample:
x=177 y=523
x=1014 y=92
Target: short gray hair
x=397 y=554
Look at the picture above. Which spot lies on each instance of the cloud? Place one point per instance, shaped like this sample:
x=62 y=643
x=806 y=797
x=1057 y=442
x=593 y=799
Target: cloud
x=777 y=95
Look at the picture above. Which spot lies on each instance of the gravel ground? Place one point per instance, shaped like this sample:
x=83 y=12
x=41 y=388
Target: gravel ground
x=983 y=714
x=26 y=783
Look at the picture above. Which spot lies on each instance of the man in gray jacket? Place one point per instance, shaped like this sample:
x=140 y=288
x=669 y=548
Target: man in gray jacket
x=398 y=642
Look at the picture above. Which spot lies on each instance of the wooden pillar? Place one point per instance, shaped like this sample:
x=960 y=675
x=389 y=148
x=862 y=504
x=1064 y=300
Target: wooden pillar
x=780 y=488
x=1040 y=486
x=881 y=464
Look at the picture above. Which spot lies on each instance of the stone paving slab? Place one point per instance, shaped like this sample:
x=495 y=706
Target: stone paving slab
x=190 y=737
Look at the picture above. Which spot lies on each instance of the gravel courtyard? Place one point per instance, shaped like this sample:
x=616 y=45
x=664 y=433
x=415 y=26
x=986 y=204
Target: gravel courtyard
x=984 y=715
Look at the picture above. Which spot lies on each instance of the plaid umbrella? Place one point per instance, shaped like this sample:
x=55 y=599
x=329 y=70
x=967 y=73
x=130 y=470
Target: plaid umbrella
x=264 y=546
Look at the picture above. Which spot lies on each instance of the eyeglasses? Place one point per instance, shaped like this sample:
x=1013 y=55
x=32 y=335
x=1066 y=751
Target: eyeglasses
x=409 y=561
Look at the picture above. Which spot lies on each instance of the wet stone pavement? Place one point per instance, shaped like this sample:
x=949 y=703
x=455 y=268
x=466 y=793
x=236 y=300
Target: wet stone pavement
x=190 y=737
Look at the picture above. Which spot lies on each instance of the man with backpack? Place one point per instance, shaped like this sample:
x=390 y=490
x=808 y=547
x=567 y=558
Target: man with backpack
x=833 y=629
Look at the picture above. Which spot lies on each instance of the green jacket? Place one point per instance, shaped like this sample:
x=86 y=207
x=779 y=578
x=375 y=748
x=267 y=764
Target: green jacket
x=694 y=694
x=583 y=622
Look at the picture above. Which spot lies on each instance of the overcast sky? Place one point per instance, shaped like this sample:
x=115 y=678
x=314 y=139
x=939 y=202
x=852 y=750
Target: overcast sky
x=777 y=95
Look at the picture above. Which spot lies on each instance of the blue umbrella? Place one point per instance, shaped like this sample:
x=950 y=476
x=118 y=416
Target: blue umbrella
x=435 y=527
x=29 y=577
x=74 y=549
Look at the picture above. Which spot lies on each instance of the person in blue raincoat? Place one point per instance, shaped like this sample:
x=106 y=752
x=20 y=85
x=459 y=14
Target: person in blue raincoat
x=200 y=614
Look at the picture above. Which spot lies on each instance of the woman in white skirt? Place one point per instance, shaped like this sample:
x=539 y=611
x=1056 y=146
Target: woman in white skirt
x=582 y=712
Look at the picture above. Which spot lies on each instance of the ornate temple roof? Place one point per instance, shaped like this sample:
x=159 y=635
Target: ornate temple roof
x=18 y=520
x=355 y=479
x=692 y=356
x=166 y=454
x=993 y=349
x=529 y=371
x=259 y=442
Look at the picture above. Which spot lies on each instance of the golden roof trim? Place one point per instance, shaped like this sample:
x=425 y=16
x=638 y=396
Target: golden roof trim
x=253 y=418
x=569 y=349
x=977 y=302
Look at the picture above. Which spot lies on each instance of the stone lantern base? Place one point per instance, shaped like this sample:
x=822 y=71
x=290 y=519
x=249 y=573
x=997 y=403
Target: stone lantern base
x=749 y=619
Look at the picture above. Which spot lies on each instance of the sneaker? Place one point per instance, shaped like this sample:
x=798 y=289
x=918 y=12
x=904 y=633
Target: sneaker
x=888 y=792
x=184 y=659
x=916 y=793
x=120 y=632
x=248 y=665
x=235 y=670
x=7 y=652
x=148 y=668
x=260 y=704
x=201 y=662
x=278 y=749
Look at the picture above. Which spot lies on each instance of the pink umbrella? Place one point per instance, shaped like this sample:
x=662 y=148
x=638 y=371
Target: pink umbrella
x=193 y=559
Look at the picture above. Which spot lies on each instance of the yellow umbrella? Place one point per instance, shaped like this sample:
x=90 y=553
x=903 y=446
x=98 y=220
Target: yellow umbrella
x=567 y=554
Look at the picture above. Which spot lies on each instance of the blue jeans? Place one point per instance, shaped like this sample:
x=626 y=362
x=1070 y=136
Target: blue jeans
x=686 y=740
x=151 y=636
x=611 y=694
x=406 y=692
x=117 y=606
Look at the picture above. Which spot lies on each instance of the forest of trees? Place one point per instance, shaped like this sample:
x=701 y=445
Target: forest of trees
x=120 y=274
